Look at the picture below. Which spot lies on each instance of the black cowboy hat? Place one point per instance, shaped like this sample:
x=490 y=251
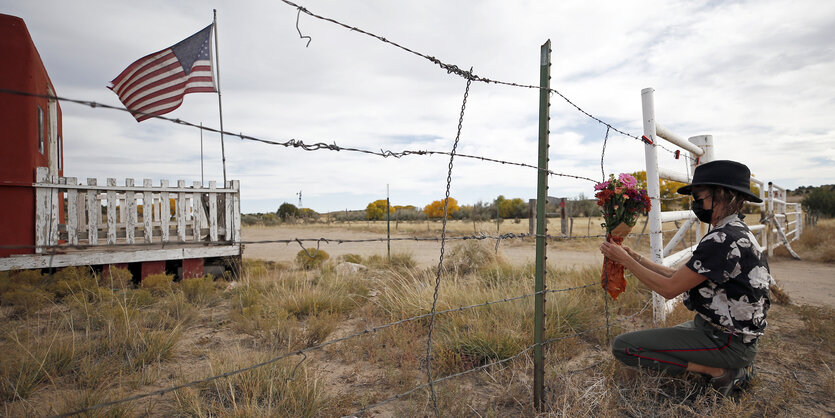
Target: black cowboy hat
x=725 y=173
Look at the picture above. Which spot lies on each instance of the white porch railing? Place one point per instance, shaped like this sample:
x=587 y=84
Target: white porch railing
x=97 y=215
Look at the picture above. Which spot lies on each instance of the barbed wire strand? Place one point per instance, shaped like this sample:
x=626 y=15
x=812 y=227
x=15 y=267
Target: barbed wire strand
x=603 y=154
x=469 y=75
x=294 y=143
x=299 y=144
x=441 y=258
x=476 y=237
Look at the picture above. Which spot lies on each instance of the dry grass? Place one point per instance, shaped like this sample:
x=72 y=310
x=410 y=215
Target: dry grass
x=84 y=339
x=816 y=243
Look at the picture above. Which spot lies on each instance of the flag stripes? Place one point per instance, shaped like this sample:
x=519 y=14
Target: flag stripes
x=156 y=83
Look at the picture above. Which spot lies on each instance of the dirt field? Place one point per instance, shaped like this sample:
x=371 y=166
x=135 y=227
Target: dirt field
x=807 y=282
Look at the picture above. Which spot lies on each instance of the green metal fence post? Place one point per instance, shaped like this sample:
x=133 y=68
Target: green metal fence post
x=541 y=226
x=388 y=225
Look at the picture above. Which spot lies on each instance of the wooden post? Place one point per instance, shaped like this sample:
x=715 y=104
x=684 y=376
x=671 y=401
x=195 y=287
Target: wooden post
x=42 y=208
x=72 y=212
x=181 y=210
x=531 y=216
x=213 y=211
x=563 y=219
x=111 y=211
x=93 y=212
x=236 y=209
x=197 y=208
x=148 y=210
x=164 y=211
x=130 y=216
x=227 y=210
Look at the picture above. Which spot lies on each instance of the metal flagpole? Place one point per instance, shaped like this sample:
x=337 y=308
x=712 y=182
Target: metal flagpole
x=201 y=155
x=219 y=102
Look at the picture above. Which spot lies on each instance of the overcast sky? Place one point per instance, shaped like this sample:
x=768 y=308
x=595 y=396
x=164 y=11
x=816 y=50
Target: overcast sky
x=757 y=75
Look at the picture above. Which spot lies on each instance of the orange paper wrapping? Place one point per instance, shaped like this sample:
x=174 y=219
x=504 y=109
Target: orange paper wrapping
x=612 y=277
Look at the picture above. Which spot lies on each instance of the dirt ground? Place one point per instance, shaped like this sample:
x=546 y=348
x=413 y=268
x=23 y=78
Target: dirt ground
x=807 y=282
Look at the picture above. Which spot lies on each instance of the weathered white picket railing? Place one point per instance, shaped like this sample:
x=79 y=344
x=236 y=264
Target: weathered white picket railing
x=78 y=224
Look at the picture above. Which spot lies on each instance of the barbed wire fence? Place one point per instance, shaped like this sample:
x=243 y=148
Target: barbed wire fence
x=470 y=77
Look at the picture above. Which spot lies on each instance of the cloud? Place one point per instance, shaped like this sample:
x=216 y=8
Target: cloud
x=758 y=75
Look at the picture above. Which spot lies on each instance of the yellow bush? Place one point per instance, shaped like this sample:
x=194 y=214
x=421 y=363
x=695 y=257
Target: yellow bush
x=26 y=299
x=200 y=291
x=311 y=258
x=117 y=278
x=159 y=284
x=71 y=280
x=436 y=209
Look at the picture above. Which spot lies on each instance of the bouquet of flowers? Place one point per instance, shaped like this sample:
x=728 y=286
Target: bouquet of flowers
x=622 y=202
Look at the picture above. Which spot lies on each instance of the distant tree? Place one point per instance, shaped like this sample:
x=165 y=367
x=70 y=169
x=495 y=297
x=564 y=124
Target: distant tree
x=307 y=213
x=583 y=206
x=511 y=208
x=820 y=200
x=410 y=213
x=435 y=210
x=287 y=209
x=376 y=210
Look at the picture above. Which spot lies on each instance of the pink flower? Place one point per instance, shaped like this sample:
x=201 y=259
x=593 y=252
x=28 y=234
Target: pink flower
x=601 y=186
x=627 y=180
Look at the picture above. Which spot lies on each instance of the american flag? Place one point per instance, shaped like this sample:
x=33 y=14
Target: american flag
x=155 y=84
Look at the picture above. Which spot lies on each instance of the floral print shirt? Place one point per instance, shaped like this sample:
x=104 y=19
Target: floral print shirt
x=735 y=294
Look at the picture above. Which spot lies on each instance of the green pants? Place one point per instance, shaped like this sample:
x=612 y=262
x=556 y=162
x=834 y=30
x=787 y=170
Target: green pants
x=670 y=349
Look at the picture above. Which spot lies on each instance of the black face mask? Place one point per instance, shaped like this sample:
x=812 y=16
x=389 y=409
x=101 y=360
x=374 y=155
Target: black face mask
x=704 y=215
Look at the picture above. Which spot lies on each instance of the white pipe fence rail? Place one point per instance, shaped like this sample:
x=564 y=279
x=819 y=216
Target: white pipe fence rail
x=775 y=211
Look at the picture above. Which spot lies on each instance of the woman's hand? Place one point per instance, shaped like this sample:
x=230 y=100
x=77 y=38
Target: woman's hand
x=615 y=252
x=634 y=254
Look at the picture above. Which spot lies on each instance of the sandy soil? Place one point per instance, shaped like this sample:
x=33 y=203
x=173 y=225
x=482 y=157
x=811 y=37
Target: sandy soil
x=425 y=253
x=807 y=282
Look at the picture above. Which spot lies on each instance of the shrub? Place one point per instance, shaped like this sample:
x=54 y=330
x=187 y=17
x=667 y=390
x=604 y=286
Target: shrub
x=71 y=280
x=470 y=256
x=158 y=284
x=352 y=258
x=116 y=278
x=821 y=200
x=200 y=291
x=140 y=298
x=402 y=260
x=249 y=219
x=287 y=209
x=26 y=299
x=311 y=258
x=284 y=388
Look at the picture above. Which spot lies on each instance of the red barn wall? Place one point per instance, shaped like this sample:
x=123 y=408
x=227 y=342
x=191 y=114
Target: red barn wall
x=22 y=70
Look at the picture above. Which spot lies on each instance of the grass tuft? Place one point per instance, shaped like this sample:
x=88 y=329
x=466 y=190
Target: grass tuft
x=311 y=258
x=283 y=388
x=158 y=284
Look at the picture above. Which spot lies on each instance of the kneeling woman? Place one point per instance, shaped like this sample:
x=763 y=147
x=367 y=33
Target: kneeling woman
x=726 y=283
